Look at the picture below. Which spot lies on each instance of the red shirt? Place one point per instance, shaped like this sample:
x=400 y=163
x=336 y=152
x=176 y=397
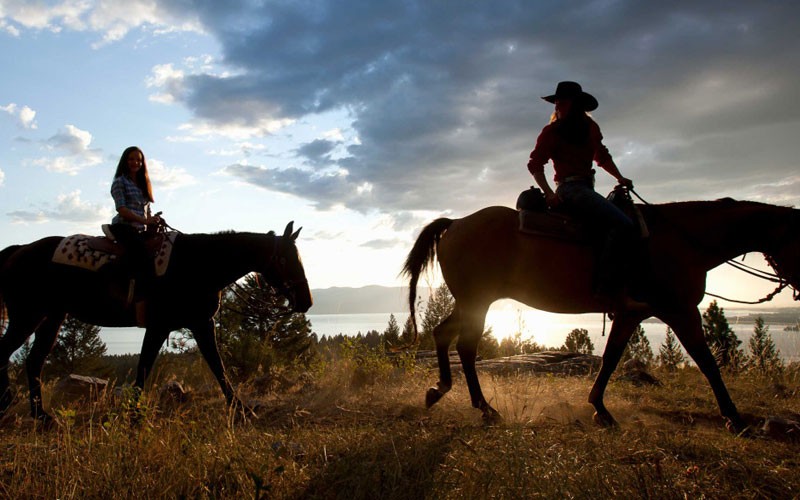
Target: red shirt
x=569 y=159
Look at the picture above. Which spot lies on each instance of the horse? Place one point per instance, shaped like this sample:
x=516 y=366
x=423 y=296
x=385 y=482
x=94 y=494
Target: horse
x=38 y=294
x=484 y=257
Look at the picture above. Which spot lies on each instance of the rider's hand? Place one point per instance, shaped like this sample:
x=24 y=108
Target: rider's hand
x=152 y=220
x=552 y=200
x=624 y=181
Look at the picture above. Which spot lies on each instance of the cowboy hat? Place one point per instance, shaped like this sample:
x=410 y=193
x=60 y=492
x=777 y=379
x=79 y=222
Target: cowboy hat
x=573 y=90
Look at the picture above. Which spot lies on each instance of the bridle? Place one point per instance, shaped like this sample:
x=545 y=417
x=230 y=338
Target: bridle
x=279 y=262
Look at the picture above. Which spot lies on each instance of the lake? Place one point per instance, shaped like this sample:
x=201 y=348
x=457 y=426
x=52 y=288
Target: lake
x=544 y=328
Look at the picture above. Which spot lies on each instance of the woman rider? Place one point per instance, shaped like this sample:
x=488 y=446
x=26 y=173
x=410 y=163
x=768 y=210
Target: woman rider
x=132 y=194
x=572 y=140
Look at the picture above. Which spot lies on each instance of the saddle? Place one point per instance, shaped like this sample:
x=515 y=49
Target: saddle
x=94 y=252
x=537 y=220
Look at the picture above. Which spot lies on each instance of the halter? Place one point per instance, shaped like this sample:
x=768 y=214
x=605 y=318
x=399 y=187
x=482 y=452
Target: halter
x=758 y=273
x=274 y=260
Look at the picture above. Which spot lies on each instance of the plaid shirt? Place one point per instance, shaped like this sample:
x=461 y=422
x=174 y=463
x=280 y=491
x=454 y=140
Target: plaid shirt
x=127 y=194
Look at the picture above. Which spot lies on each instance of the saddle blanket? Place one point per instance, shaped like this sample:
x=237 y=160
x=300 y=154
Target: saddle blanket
x=83 y=251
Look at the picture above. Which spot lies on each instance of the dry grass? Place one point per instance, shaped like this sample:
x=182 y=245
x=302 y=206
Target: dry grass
x=341 y=435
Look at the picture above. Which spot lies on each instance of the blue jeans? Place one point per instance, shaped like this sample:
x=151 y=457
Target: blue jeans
x=581 y=200
x=614 y=231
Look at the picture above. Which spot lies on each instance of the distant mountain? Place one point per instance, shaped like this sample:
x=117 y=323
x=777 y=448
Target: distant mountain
x=364 y=300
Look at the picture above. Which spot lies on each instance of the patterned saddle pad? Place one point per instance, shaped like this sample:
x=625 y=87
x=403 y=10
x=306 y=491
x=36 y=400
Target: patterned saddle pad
x=94 y=252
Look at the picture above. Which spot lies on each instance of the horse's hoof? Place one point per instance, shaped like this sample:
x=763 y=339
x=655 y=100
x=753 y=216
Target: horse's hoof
x=492 y=417
x=432 y=396
x=738 y=427
x=44 y=421
x=604 y=420
x=242 y=412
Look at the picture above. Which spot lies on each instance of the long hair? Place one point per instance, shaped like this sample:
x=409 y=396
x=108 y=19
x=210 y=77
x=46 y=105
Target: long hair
x=573 y=128
x=142 y=178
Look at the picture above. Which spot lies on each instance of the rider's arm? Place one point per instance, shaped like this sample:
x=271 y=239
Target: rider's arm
x=131 y=216
x=603 y=158
x=540 y=155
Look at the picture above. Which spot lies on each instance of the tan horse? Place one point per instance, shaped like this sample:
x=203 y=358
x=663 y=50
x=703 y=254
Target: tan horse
x=484 y=257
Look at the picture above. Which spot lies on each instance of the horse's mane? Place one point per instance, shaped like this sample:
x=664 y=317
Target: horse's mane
x=232 y=231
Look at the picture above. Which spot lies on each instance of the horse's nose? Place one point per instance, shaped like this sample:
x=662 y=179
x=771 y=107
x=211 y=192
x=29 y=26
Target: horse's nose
x=304 y=304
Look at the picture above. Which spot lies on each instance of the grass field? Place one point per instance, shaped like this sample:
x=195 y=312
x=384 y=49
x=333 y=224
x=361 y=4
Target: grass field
x=342 y=432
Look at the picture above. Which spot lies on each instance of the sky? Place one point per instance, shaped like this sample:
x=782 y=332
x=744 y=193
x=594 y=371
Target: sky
x=362 y=121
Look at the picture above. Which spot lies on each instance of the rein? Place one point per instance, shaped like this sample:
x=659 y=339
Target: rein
x=758 y=273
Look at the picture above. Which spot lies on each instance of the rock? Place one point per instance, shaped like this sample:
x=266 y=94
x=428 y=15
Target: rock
x=782 y=429
x=76 y=388
x=634 y=365
x=635 y=371
x=172 y=393
x=79 y=386
x=639 y=378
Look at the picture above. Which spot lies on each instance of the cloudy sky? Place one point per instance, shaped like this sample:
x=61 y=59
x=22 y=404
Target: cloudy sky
x=363 y=120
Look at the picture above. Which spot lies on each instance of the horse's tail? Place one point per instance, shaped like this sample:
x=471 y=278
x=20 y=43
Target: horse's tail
x=4 y=255
x=421 y=256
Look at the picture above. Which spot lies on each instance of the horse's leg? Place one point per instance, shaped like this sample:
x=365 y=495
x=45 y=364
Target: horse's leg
x=16 y=334
x=154 y=338
x=443 y=335
x=207 y=343
x=621 y=331
x=689 y=330
x=473 y=320
x=43 y=342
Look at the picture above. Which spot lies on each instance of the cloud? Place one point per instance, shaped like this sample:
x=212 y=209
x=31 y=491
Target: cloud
x=71 y=139
x=111 y=19
x=2 y=176
x=165 y=178
x=68 y=208
x=444 y=98
x=26 y=116
x=318 y=152
x=77 y=153
x=383 y=244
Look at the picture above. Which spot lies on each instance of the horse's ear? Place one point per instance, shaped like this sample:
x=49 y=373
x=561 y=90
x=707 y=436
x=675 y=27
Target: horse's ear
x=296 y=233
x=289 y=228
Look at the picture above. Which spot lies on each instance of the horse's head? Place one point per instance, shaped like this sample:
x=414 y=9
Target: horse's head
x=785 y=256
x=285 y=271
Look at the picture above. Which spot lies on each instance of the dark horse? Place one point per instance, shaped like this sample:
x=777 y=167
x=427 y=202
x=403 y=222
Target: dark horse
x=38 y=295
x=484 y=258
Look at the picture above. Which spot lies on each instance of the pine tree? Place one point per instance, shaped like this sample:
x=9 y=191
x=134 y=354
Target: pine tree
x=79 y=350
x=670 y=355
x=440 y=306
x=407 y=337
x=578 y=341
x=256 y=329
x=638 y=347
x=764 y=356
x=391 y=336
x=721 y=338
x=488 y=347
